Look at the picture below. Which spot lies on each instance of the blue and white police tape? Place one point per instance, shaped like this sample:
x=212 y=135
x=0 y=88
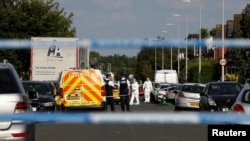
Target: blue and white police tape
x=132 y=118
x=120 y=43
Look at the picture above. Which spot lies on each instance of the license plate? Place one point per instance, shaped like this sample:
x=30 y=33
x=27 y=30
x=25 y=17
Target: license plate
x=193 y=104
x=34 y=109
x=225 y=109
x=75 y=97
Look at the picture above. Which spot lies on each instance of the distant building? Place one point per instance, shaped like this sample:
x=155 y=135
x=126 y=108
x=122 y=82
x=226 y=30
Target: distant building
x=236 y=25
x=218 y=52
x=229 y=28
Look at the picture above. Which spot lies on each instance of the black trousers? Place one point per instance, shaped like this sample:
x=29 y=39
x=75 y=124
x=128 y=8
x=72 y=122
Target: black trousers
x=125 y=102
x=110 y=102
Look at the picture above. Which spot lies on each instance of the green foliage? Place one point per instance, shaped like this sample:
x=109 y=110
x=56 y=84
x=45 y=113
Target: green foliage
x=209 y=70
x=116 y=64
x=23 y=19
x=245 y=22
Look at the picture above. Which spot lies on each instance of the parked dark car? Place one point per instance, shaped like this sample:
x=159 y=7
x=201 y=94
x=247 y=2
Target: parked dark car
x=46 y=94
x=216 y=95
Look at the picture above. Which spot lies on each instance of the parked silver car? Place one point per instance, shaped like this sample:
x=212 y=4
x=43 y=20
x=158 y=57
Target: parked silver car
x=242 y=101
x=241 y=104
x=188 y=96
x=13 y=101
x=168 y=93
x=160 y=92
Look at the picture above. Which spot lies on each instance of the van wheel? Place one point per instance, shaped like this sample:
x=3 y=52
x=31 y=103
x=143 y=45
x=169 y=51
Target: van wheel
x=63 y=109
x=104 y=106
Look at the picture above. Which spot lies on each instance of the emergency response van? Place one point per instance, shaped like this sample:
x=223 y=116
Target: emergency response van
x=81 y=89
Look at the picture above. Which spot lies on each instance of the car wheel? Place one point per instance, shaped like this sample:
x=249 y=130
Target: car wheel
x=176 y=108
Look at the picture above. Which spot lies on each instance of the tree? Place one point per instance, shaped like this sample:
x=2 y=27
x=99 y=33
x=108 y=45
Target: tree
x=245 y=22
x=212 y=32
x=145 y=63
x=23 y=19
x=204 y=34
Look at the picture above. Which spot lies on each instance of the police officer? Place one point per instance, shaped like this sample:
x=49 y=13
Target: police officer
x=124 y=89
x=109 y=85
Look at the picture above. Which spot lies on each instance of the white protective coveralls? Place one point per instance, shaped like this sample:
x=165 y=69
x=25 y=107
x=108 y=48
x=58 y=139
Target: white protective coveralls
x=148 y=87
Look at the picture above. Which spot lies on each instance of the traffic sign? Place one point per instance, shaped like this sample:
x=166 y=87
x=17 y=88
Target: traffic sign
x=223 y=62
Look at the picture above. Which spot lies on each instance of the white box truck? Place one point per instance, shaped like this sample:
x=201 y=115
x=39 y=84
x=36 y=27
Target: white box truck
x=51 y=55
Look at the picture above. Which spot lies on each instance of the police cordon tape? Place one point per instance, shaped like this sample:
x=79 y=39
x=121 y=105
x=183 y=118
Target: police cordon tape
x=132 y=118
x=121 y=43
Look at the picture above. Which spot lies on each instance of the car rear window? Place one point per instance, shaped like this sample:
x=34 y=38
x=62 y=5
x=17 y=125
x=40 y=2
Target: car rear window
x=225 y=89
x=41 y=88
x=192 y=88
x=8 y=83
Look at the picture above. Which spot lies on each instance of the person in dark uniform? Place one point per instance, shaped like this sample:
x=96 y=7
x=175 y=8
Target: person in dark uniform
x=124 y=89
x=109 y=85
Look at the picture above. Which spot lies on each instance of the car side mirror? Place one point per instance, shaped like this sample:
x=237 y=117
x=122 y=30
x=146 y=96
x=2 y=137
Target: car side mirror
x=33 y=95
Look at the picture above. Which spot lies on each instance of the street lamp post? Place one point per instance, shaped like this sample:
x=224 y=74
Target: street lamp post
x=186 y=49
x=171 y=50
x=162 y=56
x=222 y=30
x=178 y=52
x=163 y=51
x=189 y=1
x=186 y=64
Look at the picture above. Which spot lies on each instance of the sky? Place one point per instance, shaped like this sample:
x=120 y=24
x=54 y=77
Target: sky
x=140 y=19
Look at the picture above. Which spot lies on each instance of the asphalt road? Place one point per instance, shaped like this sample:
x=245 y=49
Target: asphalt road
x=123 y=132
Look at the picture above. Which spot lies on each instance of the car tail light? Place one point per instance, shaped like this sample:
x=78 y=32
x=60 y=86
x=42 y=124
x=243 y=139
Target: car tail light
x=238 y=108
x=103 y=91
x=61 y=92
x=24 y=135
x=181 y=95
x=21 y=107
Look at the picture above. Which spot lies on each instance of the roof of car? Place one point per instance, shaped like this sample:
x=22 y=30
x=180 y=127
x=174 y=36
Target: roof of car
x=190 y=83
x=224 y=82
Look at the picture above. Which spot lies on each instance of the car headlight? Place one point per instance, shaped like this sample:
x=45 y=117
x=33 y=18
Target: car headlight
x=211 y=102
